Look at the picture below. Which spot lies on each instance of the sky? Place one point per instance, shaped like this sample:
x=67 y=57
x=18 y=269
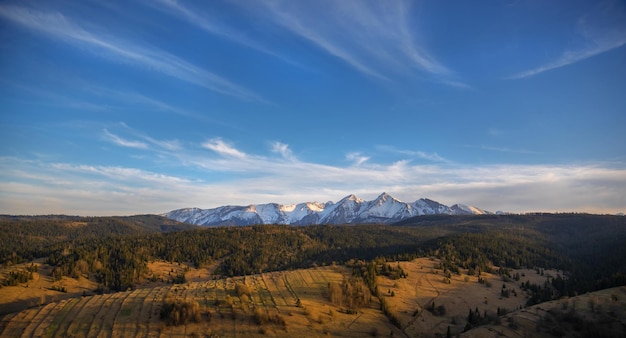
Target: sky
x=133 y=107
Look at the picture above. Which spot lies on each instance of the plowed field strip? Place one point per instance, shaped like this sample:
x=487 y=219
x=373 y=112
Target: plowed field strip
x=80 y=328
x=138 y=316
x=47 y=318
x=288 y=295
x=42 y=311
x=125 y=324
x=96 y=323
x=277 y=296
x=264 y=294
x=145 y=314
x=28 y=321
x=60 y=318
x=5 y=322
x=291 y=291
x=72 y=315
x=154 y=310
x=18 y=324
x=108 y=321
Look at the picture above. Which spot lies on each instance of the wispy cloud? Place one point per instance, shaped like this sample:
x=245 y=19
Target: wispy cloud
x=229 y=175
x=374 y=38
x=122 y=142
x=356 y=158
x=433 y=157
x=222 y=148
x=571 y=57
x=504 y=149
x=60 y=27
x=602 y=30
x=214 y=25
x=140 y=141
x=44 y=186
x=284 y=150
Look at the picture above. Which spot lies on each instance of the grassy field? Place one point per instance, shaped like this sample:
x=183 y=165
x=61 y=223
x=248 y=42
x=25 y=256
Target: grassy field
x=426 y=285
x=42 y=289
x=596 y=314
x=292 y=302
x=296 y=303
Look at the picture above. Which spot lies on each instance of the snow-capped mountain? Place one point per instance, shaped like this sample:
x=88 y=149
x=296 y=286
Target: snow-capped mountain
x=350 y=209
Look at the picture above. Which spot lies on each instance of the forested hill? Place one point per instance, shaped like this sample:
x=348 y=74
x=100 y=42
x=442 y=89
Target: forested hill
x=31 y=236
x=591 y=248
x=77 y=226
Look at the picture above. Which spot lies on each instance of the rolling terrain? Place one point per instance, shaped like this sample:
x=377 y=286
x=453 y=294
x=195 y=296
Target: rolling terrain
x=298 y=302
x=425 y=276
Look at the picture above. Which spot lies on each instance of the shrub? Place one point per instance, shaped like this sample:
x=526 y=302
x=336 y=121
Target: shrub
x=180 y=312
x=262 y=318
x=243 y=289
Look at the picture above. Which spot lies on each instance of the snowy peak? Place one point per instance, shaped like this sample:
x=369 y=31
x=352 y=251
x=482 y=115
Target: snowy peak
x=350 y=209
x=352 y=198
x=462 y=209
x=385 y=198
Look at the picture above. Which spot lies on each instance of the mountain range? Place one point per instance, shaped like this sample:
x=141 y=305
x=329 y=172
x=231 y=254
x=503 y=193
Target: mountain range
x=350 y=209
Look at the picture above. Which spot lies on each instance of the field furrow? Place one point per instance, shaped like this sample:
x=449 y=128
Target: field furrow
x=111 y=309
x=71 y=316
x=154 y=308
x=53 y=308
x=18 y=324
x=125 y=323
x=29 y=320
x=290 y=289
x=34 y=322
x=145 y=312
x=6 y=320
x=81 y=326
x=288 y=295
x=277 y=296
x=99 y=314
x=59 y=317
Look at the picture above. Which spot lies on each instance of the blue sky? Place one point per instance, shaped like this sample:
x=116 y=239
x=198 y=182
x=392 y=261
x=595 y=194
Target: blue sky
x=115 y=108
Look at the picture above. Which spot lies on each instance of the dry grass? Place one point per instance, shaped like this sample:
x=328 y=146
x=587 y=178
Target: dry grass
x=426 y=285
x=258 y=305
x=600 y=314
x=286 y=304
x=41 y=289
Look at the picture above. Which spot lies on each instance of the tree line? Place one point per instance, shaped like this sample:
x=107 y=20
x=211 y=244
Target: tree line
x=116 y=250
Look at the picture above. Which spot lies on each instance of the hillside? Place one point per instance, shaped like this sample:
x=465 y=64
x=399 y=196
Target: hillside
x=423 y=275
x=591 y=247
x=23 y=238
x=422 y=301
x=596 y=314
x=283 y=304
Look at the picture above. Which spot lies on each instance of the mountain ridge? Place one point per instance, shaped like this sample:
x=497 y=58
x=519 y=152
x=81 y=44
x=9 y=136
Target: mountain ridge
x=350 y=209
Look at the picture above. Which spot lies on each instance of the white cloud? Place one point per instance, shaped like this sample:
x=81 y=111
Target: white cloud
x=219 y=146
x=357 y=158
x=213 y=25
x=376 y=39
x=433 y=157
x=571 y=57
x=602 y=29
x=41 y=186
x=60 y=27
x=122 y=142
x=145 y=142
x=283 y=150
x=503 y=149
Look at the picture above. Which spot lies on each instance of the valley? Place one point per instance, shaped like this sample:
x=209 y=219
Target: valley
x=431 y=276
